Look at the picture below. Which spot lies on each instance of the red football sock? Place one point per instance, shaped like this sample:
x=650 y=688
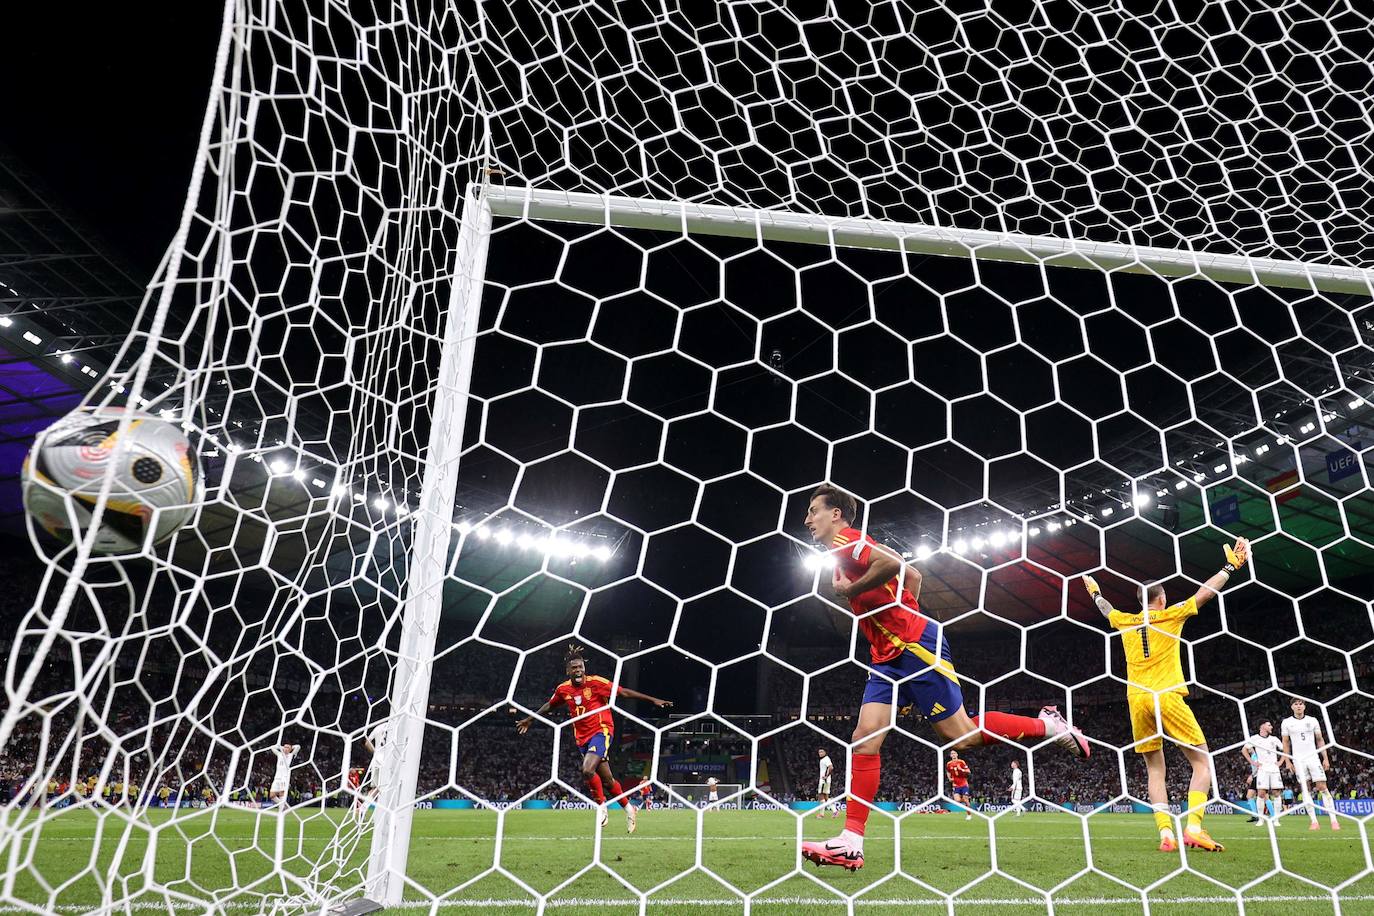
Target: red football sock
x=998 y=725
x=616 y=791
x=863 y=785
x=594 y=785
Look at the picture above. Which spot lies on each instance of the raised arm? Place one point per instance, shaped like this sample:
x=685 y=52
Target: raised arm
x=1095 y=593
x=1235 y=559
x=636 y=695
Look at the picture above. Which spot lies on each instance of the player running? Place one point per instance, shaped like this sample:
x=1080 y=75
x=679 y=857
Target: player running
x=1016 y=791
x=1264 y=748
x=1304 y=753
x=593 y=728
x=827 y=770
x=958 y=773
x=1155 y=691
x=910 y=649
x=281 y=780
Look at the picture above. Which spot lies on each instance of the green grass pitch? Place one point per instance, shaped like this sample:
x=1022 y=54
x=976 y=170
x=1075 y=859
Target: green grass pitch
x=1286 y=873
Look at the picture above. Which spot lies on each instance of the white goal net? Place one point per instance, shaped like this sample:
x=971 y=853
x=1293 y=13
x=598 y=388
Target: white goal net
x=505 y=327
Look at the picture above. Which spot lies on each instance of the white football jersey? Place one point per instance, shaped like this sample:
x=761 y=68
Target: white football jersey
x=826 y=767
x=1267 y=750
x=1302 y=735
x=1016 y=776
x=283 y=762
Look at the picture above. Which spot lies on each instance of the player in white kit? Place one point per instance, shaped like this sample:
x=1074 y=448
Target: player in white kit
x=281 y=780
x=713 y=795
x=1265 y=748
x=823 y=785
x=377 y=743
x=1305 y=753
x=1016 y=788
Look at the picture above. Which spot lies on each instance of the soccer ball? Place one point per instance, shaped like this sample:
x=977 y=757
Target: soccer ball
x=155 y=488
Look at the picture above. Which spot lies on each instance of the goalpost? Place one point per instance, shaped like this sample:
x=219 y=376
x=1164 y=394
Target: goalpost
x=510 y=328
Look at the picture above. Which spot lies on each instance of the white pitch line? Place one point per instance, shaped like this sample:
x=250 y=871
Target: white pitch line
x=572 y=902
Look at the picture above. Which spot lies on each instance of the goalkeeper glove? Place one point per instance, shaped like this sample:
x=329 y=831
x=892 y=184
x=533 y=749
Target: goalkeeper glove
x=1091 y=585
x=1236 y=557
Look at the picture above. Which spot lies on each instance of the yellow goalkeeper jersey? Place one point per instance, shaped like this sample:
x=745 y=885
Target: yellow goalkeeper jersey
x=1152 y=659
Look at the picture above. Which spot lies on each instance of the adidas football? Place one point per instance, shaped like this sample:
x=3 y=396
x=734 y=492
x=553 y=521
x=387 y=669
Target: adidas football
x=153 y=492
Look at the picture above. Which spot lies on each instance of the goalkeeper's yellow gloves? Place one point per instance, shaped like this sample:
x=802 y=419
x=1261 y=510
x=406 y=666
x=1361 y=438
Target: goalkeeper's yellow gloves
x=1236 y=556
x=1091 y=585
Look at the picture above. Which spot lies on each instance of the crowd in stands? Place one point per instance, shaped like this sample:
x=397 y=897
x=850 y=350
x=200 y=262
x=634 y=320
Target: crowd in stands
x=172 y=749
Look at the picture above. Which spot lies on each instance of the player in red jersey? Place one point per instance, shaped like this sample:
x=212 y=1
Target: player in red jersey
x=646 y=794
x=355 y=784
x=911 y=666
x=958 y=773
x=587 y=696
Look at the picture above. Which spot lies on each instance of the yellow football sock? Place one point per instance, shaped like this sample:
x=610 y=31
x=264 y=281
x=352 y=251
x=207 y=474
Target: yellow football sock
x=1162 y=820
x=1196 y=802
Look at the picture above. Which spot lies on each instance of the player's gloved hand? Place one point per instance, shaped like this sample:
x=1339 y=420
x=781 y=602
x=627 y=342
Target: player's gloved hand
x=1091 y=585
x=1236 y=556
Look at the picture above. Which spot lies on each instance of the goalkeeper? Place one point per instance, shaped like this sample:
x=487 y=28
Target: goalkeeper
x=1155 y=691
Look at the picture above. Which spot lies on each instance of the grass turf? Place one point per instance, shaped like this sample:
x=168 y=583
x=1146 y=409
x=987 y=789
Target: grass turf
x=556 y=853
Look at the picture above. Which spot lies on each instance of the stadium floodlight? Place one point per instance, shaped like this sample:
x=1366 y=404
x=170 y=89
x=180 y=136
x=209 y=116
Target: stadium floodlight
x=961 y=547
x=922 y=551
x=32 y=338
x=504 y=536
x=602 y=553
x=279 y=466
x=464 y=528
x=5 y=321
x=1142 y=500
x=997 y=538
x=482 y=532
x=524 y=541
x=1107 y=511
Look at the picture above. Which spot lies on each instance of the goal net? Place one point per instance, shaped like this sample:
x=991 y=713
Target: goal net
x=507 y=327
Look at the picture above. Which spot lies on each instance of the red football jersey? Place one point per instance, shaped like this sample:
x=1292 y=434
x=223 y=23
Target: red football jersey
x=593 y=695
x=958 y=773
x=900 y=622
x=355 y=777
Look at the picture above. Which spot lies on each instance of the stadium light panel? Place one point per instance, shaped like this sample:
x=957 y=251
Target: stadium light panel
x=1219 y=469
x=1142 y=500
x=66 y=357
x=32 y=338
x=978 y=543
x=602 y=553
x=464 y=528
x=1181 y=485
x=279 y=466
x=961 y=547
x=5 y=321
x=482 y=532
x=922 y=551
x=504 y=536
x=524 y=541
x=298 y=474
x=1107 y=511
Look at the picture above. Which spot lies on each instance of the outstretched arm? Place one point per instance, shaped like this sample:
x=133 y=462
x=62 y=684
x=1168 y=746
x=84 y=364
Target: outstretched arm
x=524 y=724
x=636 y=695
x=1235 y=559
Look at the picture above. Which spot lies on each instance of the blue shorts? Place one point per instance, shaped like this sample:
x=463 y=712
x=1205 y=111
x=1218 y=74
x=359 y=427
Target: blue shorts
x=600 y=745
x=925 y=678
x=959 y=790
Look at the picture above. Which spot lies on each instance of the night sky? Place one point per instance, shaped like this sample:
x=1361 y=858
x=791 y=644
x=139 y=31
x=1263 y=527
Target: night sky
x=104 y=102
